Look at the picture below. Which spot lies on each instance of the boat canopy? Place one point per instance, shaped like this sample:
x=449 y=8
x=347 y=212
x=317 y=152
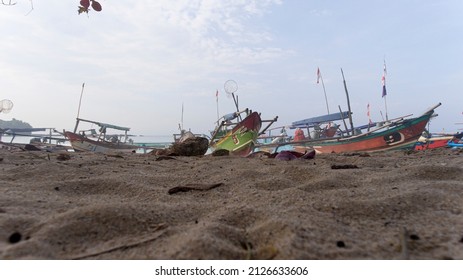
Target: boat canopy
x=106 y=125
x=315 y=121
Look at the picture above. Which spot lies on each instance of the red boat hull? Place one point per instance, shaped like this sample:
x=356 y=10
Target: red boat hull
x=433 y=143
x=401 y=136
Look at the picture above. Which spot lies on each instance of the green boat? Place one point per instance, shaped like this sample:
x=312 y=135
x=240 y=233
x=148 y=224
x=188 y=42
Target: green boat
x=238 y=138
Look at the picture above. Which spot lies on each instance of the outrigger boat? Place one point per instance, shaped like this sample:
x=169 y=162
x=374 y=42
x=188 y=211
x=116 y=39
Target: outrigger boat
x=437 y=140
x=433 y=141
x=92 y=141
x=456 y=141
x=48 y=139
x=458 y=144
x=240 y=137
x=315 y=128
x=399 y=133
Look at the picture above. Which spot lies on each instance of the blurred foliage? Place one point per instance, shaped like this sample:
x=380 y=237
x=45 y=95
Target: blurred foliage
x=14 y=123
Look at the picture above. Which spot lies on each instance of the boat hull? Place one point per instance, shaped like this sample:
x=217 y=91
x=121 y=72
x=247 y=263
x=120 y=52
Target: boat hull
x=242 y=138
x=81 y=143
x=432 y=143
x=403 y=135
x=452 y=144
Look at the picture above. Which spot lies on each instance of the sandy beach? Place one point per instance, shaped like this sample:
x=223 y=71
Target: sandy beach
x=387 y=205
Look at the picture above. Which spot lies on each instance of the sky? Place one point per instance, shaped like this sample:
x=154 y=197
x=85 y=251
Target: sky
x=143 y=61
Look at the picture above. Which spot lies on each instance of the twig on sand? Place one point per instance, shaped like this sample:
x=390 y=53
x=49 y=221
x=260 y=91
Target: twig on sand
x=248 y=247
x=344 y=166
x=194 y=187
x=404 y=244
x=125 y=246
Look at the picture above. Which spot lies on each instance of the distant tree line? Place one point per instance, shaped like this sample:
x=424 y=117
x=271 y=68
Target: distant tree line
x=14 y=123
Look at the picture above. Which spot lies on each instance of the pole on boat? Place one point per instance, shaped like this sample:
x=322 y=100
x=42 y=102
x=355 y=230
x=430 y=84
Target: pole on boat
x=344 y=121
x=236 y=104
x=348 y=103
x=80 y=100
x=385 y=106
x=235 y=99
x=181 y=128
x=270 y=122
x=384 y=93
x=231 y=87
x=319 y=77
x=78 y=110
x=217 y=102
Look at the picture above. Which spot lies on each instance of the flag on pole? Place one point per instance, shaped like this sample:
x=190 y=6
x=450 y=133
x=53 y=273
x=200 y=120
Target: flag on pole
x=318 y=75
x=217 y=94
x=383 y=81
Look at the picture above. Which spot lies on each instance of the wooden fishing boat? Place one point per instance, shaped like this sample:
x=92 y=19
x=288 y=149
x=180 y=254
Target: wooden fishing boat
x=455 y=144
x=456 y=141
x=306 y=130
x=432 y=142
x=400 y=133
x=238 y=138
x=92 y=141
x=47 y=139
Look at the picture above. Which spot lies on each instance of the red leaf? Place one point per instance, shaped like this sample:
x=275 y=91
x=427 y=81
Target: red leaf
x=85 y=3
x=96 y=6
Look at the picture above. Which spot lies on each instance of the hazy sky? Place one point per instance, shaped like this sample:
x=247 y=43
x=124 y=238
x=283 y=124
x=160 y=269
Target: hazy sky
x=140 y=60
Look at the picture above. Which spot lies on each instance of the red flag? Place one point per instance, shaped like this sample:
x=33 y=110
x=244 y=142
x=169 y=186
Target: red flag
x=217 y=93
x=383 y=81
x=318 y=75
x=368 y=113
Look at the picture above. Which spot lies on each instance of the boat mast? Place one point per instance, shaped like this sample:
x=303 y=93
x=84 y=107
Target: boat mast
x=343 y=120
x=383 y=80
x=217 y=103
x=348 y=103
x=181 y=121
x=320 y=77
x=78 y=110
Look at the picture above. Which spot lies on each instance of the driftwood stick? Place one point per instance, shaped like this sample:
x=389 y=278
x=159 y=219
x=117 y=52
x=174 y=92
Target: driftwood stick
x=404 y=244
x=194 y=187
x=124 y=246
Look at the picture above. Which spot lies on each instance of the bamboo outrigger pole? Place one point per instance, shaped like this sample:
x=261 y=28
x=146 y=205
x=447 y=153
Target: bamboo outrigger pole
x=348 y=103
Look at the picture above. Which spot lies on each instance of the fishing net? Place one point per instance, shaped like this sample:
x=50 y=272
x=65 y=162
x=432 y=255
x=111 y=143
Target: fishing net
x=6 y=106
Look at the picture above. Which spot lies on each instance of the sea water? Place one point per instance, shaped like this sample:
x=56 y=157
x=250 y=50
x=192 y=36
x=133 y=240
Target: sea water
x=150 y=140
x=158 y=141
